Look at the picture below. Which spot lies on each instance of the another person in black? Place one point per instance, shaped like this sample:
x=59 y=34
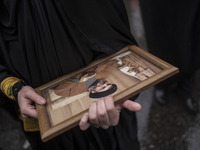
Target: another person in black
x=173 y=34
x=43 y=40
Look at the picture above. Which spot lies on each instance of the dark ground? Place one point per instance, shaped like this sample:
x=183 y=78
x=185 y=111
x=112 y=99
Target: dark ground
x=168 y=127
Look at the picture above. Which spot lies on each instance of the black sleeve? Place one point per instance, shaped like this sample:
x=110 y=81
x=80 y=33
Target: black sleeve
x=3 y=71
x=3 y=74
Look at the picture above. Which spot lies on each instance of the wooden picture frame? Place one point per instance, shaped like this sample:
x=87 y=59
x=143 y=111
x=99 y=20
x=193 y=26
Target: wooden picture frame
x=125 y=74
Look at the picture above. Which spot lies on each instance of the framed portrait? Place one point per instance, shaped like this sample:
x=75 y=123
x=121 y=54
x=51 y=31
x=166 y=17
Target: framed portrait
x=123 y=75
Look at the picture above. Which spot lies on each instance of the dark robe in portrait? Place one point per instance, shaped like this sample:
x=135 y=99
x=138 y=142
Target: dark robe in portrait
x=70 y=88
x=108 y=70
x=43 y=40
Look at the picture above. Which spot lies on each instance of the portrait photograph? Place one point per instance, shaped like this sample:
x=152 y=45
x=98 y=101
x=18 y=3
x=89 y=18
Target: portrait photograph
x=116 y=75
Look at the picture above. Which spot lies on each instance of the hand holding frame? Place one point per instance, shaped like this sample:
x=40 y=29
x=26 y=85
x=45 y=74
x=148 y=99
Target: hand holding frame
x=103 y=113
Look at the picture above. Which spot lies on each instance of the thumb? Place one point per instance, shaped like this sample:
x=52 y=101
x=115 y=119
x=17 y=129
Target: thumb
x=32 y=95
x=131 y=105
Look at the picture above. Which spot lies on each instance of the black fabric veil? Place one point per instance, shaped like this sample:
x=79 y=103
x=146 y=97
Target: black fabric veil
x=41 y=40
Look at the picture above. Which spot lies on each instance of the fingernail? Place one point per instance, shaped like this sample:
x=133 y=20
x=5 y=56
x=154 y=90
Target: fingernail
x=139 y=106
x=42 y=101
x=24 y=116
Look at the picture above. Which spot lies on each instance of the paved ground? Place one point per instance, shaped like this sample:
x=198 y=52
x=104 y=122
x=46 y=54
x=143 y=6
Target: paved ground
x=168 y=127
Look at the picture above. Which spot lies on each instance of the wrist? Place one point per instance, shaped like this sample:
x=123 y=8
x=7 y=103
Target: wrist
x=6 y=86
x=16 y=88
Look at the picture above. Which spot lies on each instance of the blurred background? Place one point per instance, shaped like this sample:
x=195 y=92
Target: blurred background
x=166 y=127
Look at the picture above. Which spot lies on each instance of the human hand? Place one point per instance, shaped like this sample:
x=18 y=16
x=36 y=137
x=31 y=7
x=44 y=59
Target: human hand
x=27 y=98
x=103 y=113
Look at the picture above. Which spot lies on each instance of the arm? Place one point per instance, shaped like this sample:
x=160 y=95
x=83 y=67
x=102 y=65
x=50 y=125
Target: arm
x=3 y=74
x=26 y=96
